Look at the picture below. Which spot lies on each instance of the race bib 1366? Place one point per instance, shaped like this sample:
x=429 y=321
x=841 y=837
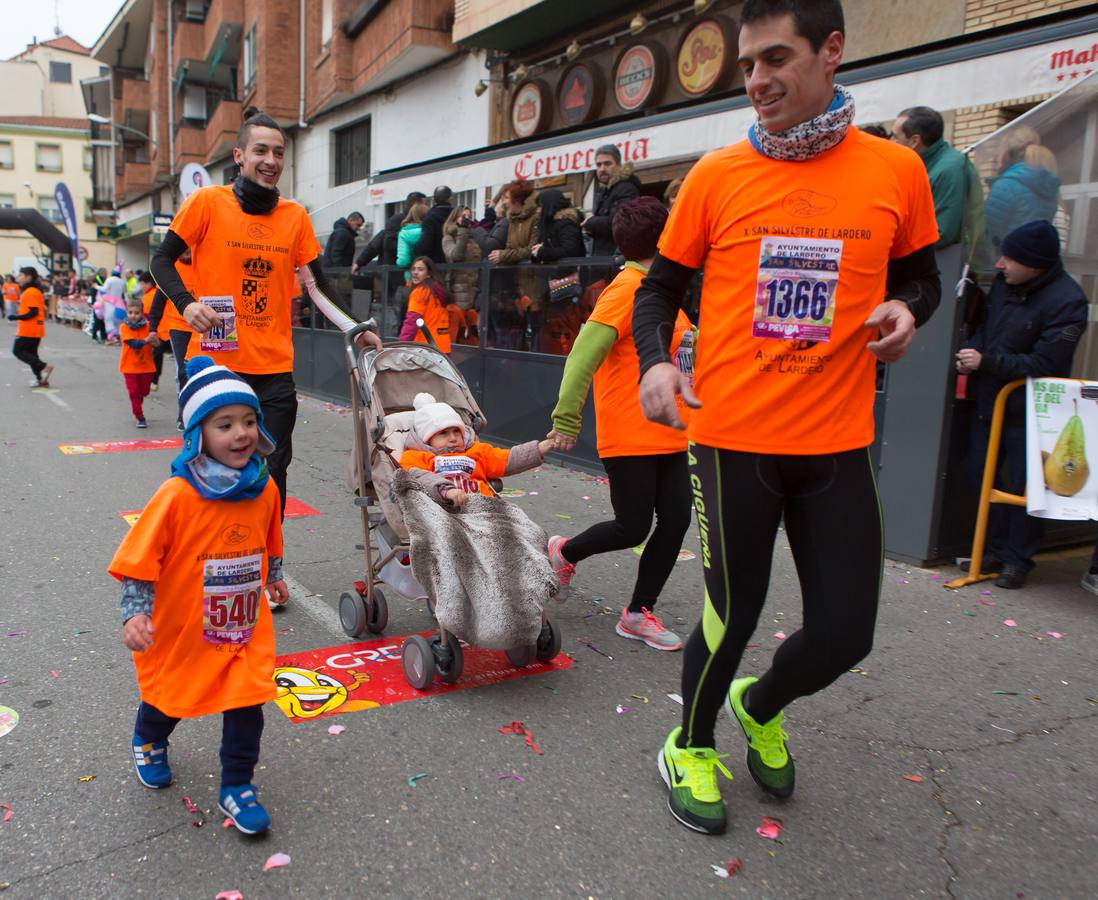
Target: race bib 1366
x=795 y=296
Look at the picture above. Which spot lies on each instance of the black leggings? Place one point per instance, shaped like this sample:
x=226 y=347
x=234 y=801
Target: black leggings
x=639 y=487
x=179 y=341
x=241 y=730
x=26 y=350
x=278 y=401
x=833 y=523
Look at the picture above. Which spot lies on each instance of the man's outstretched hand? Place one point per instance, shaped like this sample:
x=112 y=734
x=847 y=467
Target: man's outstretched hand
x=658 y=389
x=895 y=324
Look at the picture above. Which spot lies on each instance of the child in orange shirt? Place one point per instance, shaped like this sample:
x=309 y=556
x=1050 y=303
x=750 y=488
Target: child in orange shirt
x=136 y=362
x=443 y=444
x=193 y=571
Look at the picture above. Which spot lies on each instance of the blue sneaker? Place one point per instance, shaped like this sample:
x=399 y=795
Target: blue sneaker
x=240 y=804
x=150 y=761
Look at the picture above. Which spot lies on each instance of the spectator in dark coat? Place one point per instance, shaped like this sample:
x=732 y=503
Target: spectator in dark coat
x=383 y=245
x=430 y=241
x=1036 y=314
x=340 y=250
x=491 y=233
x=559 y=235
x=616 y=184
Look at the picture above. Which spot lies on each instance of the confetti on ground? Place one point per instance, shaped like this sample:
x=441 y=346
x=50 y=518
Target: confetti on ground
x=985 y=598
x=585 y=497
x=229 y=895
x=1000 y=728
x=730 y=868
x=858 y=670
x=276 y=861
x=1054 y=634
x=413 y=780
x=640 y=697
x=622 y=710
x=87 y=778
x=511 y=776
x=53 y=673
x=533 y=493
x=1010 y=623
x=917 y=779
x=512 y=492
x=522 y=731
x=780 y=635
x=969 y=612
x=770 y=828
x=336 y=729
x=676 y=698
x=904 y=581
x=586 y=643
x=78 y=633
x=8 y=812
x=19 y=632
x=563 y=516
x=228 y=823
x=189 y=803
x=1008 y=693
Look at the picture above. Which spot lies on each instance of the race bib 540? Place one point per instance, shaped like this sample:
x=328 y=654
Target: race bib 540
x=795 y=297
x=231 y=593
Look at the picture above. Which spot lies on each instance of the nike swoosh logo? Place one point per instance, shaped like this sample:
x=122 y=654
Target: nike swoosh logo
x=676 y=775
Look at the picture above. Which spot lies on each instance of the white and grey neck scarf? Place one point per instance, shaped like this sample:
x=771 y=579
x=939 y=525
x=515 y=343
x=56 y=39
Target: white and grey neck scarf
x=811 y=138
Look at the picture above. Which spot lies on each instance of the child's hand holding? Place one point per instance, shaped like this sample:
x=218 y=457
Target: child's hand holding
x=456 y=496
x=278 y=592
x=137 y=633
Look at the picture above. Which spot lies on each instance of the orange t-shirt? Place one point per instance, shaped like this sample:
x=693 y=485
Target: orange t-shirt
x=796 y=256
x=469 y=470
x=171 y=319
x=425 y=302
x=36 y=327
x=620 y=425
x=213 y=638
x=147 y=301
x=134 y=362
x=244 y=268
x=11 y=292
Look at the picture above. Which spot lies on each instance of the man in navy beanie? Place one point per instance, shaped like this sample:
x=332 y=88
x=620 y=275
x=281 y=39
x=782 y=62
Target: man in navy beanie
x=1036 y=314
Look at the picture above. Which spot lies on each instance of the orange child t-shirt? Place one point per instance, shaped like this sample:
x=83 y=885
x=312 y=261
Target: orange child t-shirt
x=11 y=292
x=620 y=425
x=134 y=362
x=244 y=268
x=425 y=302
x=213 y=637
x=35 y=327
x=796 y=257
x=470 y=470
x=147 y=300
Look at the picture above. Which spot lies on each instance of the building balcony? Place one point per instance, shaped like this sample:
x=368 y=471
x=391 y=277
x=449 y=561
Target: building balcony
x=514 y=24
x=133 y=179
x=190 y=144
x=188 y=45
x=222 y=15
x=222 y=127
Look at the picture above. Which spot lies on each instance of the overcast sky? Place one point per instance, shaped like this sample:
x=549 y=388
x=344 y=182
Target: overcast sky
x=82 y=20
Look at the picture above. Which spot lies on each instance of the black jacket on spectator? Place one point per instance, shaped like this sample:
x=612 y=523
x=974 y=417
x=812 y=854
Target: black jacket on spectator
x=608 y=197
x=340 y=251
x=491 y=235
x=561 y=237
x=1031 y=330
x=430 y=239
x=383 y=245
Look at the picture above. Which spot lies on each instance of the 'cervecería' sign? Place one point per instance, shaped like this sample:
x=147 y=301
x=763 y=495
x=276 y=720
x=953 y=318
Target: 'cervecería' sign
x=529 y=109
x=578 y=158
x=703 y=57
x=638 y=76
x=580 y=94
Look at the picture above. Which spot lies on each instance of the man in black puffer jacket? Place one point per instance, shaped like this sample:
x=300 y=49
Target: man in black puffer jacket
x=1036 y=314
x=340 y=250
x=430 y=239
x=616 y=185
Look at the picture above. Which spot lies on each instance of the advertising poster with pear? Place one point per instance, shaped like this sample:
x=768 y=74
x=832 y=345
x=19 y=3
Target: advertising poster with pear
x=1061 y=433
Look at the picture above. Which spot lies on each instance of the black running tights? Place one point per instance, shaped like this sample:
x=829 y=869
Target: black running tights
x=833 y=524
x=639 y=487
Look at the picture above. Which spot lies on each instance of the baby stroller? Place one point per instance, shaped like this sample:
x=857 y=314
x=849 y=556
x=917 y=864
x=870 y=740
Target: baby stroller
x=383 y=385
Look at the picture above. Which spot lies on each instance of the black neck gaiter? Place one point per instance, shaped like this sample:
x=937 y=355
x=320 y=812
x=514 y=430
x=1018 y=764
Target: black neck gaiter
x=253 y=198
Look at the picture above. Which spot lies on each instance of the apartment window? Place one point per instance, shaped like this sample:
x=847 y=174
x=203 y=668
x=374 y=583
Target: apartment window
x=249 y=57
x=89 y=156
x=49 y=208
x=7 y=201
x=60 y=73
x=47 y=157
x=352 y=152
x=7 y=157
x=325 y=22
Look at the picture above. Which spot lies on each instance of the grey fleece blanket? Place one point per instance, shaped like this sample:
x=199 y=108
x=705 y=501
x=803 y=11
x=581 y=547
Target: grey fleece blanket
x=484 y=566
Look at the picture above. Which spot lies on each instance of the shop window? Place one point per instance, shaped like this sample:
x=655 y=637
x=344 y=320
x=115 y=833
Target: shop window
x=47 y=157
x=49 y=208
x=249 y=58
x=60 y=72
x=89 y=156
x=7 y=155
x=352 y=152
x=7 y=201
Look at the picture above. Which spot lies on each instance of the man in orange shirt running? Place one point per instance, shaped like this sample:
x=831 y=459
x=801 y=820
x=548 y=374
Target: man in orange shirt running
x=817 y=244
x=246 y=243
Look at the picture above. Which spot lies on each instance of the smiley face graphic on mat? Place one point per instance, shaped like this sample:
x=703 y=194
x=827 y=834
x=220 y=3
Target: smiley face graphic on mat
x=305 y=694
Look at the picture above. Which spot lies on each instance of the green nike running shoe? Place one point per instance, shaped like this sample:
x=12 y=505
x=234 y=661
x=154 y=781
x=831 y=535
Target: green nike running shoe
x=691 y=778
x=768 y=759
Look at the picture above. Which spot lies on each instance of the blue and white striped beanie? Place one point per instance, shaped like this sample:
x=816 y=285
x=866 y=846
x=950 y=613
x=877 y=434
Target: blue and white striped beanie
x=209 y=388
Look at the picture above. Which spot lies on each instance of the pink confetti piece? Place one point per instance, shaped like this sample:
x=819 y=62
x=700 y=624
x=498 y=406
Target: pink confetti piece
x=511 y=776
x=336 y=729
x=17 y=633
x=985 y=599
x=229 y=895
x=276 y=861
x=622 y=710
x=904 y=581
x=585 y=497
x=770 y=828
x=916 y=779
x=228 y=823
x=533 y=493
x=780 y=635
x=8 y=812
x=189 y=803
x=1010 y=623
x=1054 y=634
x=521 y=730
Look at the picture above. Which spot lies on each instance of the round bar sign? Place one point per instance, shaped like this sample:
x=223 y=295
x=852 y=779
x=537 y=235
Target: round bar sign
x=528 y=110
x=636 y=77
x=702 y=57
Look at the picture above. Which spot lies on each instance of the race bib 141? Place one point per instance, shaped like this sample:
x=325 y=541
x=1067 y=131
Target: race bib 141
x=795 y=296
x=231 y=594
x=222 y=337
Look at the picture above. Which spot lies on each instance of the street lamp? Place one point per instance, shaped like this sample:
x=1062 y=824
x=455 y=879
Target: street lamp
x=103 y=120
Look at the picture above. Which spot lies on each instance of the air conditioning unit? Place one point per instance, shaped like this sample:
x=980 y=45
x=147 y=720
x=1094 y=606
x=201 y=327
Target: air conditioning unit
x=195 y=11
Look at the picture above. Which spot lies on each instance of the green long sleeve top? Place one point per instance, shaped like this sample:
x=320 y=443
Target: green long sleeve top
x=592 y=346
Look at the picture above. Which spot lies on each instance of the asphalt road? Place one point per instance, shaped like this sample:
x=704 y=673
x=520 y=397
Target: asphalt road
x=998 y=721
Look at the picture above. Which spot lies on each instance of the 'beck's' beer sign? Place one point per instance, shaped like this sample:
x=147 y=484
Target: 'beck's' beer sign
x=638 y=77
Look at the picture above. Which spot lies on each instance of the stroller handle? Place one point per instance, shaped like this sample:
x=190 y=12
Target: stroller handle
x=426 y=332
x=350 y=336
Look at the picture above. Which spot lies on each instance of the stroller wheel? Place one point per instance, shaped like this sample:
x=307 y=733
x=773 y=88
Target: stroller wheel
x=377 y=612
x=548 y=641
x=418 y=662
x=451 y=670
x=522 y=656
x=352 y=614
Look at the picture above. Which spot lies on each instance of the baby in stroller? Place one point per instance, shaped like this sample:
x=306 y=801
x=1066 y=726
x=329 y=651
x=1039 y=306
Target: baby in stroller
x=445 y=446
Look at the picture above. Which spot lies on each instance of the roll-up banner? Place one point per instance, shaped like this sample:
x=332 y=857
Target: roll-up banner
x=68 y=213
